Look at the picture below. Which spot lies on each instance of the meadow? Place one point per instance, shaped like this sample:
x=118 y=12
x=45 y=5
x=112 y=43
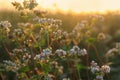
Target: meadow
x=39 y=45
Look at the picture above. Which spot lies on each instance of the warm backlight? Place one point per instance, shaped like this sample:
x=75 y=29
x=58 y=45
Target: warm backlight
x=73 y=5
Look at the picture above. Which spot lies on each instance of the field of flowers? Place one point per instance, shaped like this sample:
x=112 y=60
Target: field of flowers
x=37 y=46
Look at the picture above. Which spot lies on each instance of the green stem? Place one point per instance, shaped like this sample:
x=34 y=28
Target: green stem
x=76 y=63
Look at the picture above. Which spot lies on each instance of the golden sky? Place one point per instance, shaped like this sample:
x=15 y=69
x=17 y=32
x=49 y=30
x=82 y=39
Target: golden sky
x=74 y=5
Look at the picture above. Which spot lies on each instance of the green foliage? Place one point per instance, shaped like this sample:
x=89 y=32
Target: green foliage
x=24 y=69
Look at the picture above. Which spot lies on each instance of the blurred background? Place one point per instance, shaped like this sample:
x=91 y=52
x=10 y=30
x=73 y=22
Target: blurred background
x=72 y=12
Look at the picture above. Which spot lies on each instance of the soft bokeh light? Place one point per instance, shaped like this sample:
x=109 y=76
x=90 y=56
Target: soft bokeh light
x=73 y=5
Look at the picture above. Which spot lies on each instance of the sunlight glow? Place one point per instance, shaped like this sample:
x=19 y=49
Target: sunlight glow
x=81 y=5
x=73 y=5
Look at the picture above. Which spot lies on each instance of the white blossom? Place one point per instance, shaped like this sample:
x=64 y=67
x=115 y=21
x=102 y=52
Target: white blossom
x=99 y=77
x=105 y=69
x=82 y=52
x=95 y=69
x=46 y=52
x=5 y=24
x=60 y=52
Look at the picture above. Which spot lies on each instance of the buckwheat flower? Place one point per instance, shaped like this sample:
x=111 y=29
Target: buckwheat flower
x=65 y=34
x=101 y=36
x=66 y=79
x=26 y=56
x=48 y=78
x=28 y=25
x=36 y=19
x=93 y=64
x=8 y=62
x=37 y=57
x=72 y=51
x=82 y=52
x=10 y=66
x=5 y=24
x=46 y=52
x=17 y=50
x=105 y=69
x=99 y=77
x=79 y=26
x=7 y=30
x=111 y=52
x=88 y=34
x=59 y=32
x=49 y=21
x=42 y=20
x=60 y=52
x=50 y=75
x=54 y=64
x=60 y=69
x=18 y=32
x=75 y=50
x=43 y=56
x=95 y=69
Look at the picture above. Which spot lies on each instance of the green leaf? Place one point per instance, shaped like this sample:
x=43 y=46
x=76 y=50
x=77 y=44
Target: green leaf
x=80 y=66
x=1 y=70
x=24 y=69
x=36 y=77
x=66 y=47
x=90 y=40
x=42 y=42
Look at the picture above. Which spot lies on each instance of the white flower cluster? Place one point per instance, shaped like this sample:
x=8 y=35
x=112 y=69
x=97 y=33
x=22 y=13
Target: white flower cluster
x=9 y=62
x=101 y=36
x=25 y=25
x=45 y=53
x=99 y=70
x=55 y=65
x=48 y=21
x=66 y=79
x=60 y=34
x=81 y=25
x=111 y=52
x=105 y=69
x=5 y=25
x=60 y=52
x=37 y=57
x=10 y=66
x=26 y=56
x=77 y=50
x=94 y=67
x=99 y=77
x=17 y=50
x=97 y=17
x=17 y=32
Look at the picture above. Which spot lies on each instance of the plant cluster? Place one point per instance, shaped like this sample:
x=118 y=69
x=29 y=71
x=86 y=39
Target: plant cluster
x=43 y=51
